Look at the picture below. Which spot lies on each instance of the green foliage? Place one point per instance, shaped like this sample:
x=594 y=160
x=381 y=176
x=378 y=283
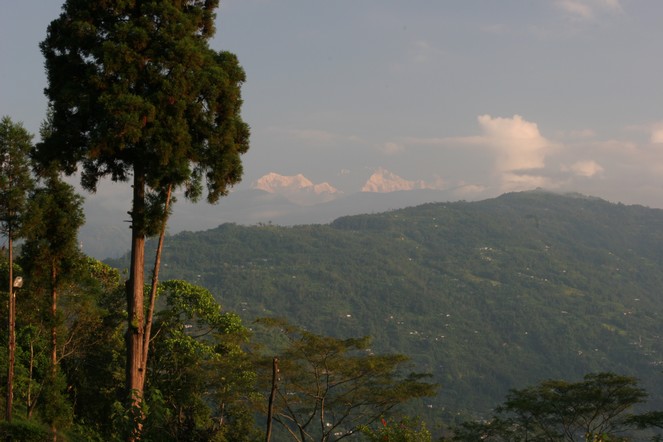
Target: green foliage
x=596 y=409
x=15 y=178
x=94 y=364
x=50 y=228
x=25 y=431
x=329 y=387
x=537 y=285
x=54 y=406
x=135 y=84
x=199 y=375
x=135 y=90
x=404 y=430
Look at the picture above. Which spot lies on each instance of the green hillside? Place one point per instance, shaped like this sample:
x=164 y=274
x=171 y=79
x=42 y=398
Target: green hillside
x=486 y=295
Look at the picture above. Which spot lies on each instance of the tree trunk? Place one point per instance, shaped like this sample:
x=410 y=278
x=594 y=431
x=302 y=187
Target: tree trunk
x=11 y=347
x=54 y=330
x=153 y=291
x=270 y=405
x=54 y=335
x=135 y=303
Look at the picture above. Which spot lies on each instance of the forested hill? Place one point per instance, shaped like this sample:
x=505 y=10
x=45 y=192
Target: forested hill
x=485 y=295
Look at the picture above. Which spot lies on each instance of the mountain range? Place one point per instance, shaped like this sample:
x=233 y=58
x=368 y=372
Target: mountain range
x=272 y=199
x=486 y=296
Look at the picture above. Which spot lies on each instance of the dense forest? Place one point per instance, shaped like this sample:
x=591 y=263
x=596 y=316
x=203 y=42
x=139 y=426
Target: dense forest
x=486 y=296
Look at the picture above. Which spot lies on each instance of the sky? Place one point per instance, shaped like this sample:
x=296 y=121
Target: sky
x=481 y=96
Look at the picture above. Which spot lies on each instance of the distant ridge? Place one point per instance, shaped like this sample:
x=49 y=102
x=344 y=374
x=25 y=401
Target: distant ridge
x=487 y=295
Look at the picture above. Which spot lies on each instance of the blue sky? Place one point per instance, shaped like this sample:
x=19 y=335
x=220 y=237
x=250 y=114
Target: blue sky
x=485 y=96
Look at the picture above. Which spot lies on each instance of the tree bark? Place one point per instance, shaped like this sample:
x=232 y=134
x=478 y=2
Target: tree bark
x=135 y=303
x=11 y=347
x=270 y=405
x=54 y=330
x=54 y=335
x=153 y=291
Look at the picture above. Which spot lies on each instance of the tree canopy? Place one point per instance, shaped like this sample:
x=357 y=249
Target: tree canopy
x=135 y=90
x=598 y=408
x=328 y=388
x=15 y=177
x=135 y=87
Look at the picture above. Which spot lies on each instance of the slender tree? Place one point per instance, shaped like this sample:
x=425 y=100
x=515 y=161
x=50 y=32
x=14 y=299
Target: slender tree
x=147 y=334
x=15 y=183
x=51 y=254
x=137 y=93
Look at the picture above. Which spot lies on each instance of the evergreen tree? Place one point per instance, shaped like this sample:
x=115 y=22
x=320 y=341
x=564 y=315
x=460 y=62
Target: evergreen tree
x=137 y=92
x=15 y=183
x=51 y=255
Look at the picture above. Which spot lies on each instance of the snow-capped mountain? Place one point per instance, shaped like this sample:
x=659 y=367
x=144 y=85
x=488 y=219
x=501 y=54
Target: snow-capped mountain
x=384 y=181
x=296 y=188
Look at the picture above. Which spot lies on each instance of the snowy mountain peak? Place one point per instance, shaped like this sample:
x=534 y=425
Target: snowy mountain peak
x=296 y=188
x=383 y=181
x=273 y=182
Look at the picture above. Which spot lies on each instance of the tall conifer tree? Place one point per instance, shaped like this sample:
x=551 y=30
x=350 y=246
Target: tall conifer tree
x=137 y=93
x=15 y=183
x=54 y=216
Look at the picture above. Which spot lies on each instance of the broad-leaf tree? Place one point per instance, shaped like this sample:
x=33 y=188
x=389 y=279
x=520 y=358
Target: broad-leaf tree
x=328 y=388
x=594 y=409
x=15 y=183
x=198 y=367
x=138 y=94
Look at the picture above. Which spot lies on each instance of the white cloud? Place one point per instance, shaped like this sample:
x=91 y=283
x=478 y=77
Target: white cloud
x=518 y=143
x=587 y=168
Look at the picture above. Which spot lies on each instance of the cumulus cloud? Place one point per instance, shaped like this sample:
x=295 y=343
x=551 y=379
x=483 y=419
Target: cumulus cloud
x=518 y=143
